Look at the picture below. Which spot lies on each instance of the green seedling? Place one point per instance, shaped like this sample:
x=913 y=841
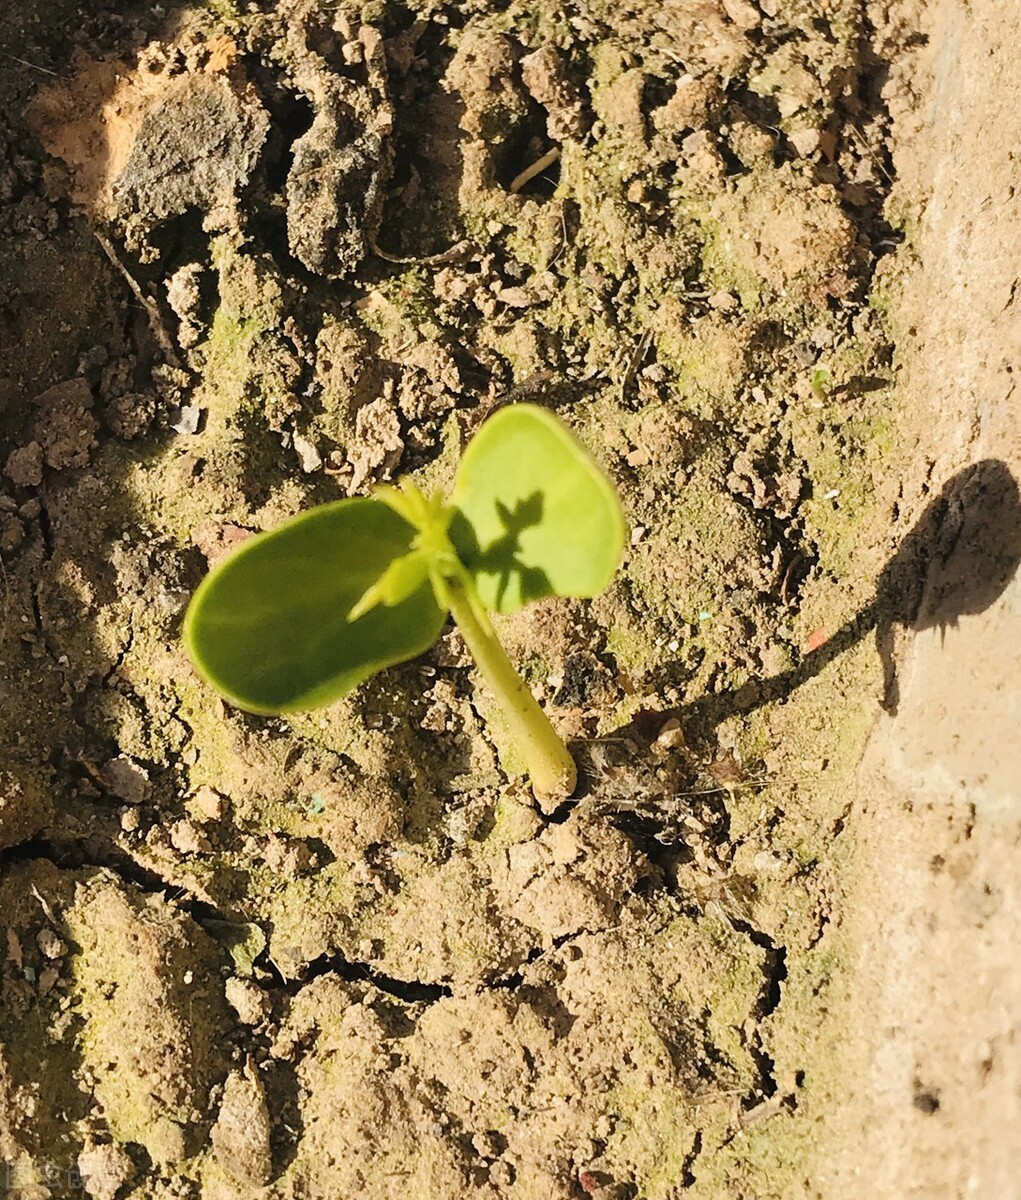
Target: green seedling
x=300 y=615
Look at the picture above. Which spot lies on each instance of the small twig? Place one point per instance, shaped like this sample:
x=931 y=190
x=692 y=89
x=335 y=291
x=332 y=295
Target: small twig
x=6 y=606
x=786 y=580
x=152 y=309
x=870 y=152
x=43 y=904
x=431 y=260
x=636 y=361
x=25 y=63
x=762 y=1112
x=563 y=240
x=279 y=970
x=537 y=168
x=747 y=786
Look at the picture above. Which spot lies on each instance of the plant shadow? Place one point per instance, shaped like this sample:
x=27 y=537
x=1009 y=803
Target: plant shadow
x=956 y=561
x=502 y=558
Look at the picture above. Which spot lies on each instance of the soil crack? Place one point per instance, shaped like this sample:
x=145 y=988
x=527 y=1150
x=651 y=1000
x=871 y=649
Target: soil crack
x=122 y=654
x=101 y=854
x=78 y=853
x=774 y=972
x=411 y=991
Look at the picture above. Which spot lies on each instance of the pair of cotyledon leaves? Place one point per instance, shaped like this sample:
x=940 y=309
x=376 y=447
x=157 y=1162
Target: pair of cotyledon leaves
x=300 y=615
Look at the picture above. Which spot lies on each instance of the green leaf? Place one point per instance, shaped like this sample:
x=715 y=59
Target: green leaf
x=244 y=941
x=535 y=515
x=269 y=627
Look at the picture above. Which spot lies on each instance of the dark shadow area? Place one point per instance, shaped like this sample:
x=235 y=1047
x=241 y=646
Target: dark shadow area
x=421 y=216
x=957 y=561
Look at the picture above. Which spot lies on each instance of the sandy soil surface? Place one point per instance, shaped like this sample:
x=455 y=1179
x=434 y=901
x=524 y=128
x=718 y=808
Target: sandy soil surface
x=258 y=256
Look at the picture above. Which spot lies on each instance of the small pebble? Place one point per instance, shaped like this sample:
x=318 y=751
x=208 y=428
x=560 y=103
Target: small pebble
x=207 y=804
x=248 y=1000
x=671 y=735
x=805 y=141
x=126 y=779
x=48 y=976
x=308 y=456
x=104 y=1169
x=50 y=945
x=186 y=419
x=187 y=838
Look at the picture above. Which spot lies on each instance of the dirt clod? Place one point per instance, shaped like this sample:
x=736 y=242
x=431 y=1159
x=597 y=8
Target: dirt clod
x=240 y=1137
x=104 y=1169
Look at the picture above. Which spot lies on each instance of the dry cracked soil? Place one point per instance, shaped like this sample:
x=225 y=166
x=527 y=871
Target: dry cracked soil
x=763 y=256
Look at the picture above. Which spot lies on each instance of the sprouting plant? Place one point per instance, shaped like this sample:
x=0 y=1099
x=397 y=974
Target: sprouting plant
x=300 y=615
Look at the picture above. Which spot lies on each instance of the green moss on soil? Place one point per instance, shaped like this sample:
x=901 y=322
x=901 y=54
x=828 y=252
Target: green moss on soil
x=153 y=1093
x=654 y=1139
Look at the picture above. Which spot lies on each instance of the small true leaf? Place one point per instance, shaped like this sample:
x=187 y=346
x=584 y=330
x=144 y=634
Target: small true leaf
x=269 y=626
x=402 y=578
x=535 y=515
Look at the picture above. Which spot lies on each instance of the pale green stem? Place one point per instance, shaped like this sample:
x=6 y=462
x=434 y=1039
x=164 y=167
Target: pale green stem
x=549 y=763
